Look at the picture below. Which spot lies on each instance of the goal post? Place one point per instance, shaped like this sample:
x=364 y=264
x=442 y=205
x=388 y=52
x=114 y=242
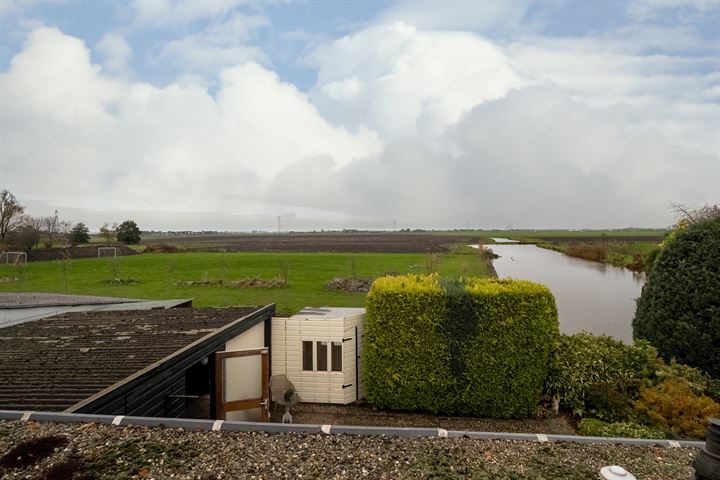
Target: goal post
x=14 y=258
x=107 y=252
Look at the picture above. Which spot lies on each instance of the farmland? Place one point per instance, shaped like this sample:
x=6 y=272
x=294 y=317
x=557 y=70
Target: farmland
x=207 y=276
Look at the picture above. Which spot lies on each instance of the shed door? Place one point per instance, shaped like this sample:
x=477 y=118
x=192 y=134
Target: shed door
x=242 y=383
x=350 y=370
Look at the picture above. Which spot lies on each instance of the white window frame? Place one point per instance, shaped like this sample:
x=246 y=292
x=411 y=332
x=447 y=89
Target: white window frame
x=315 y=342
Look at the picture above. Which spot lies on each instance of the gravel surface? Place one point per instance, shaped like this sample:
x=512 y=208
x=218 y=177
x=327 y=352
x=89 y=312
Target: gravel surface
x=32 y=299
x=323 y=414
x=99 y=451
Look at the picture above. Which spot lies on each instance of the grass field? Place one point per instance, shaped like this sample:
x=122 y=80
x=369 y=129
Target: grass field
x=158 y=276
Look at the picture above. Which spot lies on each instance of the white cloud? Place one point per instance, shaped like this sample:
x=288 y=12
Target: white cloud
x=686 y=10
x=75 y=134
x=116 y=52
x=218 y=46
x=457 y=15
x=539 y=133
x=402 y=81
x=172 y=13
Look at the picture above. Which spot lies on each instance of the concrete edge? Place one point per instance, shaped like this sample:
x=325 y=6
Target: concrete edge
x=232 y=426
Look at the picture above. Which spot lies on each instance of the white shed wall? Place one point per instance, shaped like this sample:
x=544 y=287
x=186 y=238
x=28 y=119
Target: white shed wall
x=317 y=386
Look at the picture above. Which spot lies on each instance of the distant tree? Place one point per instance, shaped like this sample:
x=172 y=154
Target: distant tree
x=50 y=228
x=10 y=214
x=79 y=234
x=27 y=234
x=106 y=231
x=128 y=232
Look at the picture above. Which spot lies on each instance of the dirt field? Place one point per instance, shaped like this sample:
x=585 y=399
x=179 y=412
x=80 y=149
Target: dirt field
x=315 y=242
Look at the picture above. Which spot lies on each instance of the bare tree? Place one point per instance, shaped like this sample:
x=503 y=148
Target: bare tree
x=704 y=213
x=50 y=227
x=10 y=213
x=107 y=232
x=28 y=233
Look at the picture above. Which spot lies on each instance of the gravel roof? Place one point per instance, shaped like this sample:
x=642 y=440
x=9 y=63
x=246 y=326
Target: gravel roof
x=101 y=451
x=53 y=363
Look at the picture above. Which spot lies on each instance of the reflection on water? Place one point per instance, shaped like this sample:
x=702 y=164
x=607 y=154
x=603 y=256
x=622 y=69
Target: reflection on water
x=590 y=296
x=503 y=240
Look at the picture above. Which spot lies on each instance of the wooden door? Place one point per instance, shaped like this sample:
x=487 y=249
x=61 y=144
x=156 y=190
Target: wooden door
x=224 y=405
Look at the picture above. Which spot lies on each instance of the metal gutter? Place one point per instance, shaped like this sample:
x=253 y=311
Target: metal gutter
x=232 y=426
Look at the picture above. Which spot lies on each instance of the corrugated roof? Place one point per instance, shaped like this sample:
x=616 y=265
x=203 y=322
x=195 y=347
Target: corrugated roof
x=53 y=363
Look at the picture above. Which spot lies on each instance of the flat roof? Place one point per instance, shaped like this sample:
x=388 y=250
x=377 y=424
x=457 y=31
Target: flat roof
x=53 y=363
x=16 y=308
x=329 y=312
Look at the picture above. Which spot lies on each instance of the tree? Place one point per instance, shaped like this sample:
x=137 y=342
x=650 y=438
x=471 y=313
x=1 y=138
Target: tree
x=79 y=234
x=106 y=231
x=128 y=232
x=27 y=234
x=50 y=228
x=678 y=311
x=10 y=214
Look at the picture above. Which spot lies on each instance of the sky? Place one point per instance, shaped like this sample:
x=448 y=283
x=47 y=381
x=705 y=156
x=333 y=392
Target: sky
x=238 y=116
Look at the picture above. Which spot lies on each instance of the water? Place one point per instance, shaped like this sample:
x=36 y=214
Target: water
x=590 y=296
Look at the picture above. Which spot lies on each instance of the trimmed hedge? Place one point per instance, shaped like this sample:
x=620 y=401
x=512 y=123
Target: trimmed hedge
x=481 y=347
x=679 y=309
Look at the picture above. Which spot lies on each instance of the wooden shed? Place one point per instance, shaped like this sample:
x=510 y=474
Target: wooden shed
x=320 y=352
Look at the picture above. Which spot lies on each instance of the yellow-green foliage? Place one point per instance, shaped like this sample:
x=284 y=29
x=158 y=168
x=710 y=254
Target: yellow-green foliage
x=479 y=347
x=405 y=353
x=672 y=405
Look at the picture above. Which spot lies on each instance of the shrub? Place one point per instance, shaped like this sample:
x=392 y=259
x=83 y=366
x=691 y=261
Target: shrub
x=679 y=309
x=481 y=347
x=593 y=427
x=672 y=405
x=583 y=360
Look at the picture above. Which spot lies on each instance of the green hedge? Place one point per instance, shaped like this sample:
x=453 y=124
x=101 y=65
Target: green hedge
x=480 y=347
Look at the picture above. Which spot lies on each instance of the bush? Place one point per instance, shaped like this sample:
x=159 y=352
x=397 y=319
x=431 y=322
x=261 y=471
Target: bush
x=481 y=347
x=673 y=406
x=583 y=360
x=592 y=427
x=679 y=309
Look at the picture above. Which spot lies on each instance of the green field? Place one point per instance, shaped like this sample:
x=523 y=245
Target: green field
x=158 y=276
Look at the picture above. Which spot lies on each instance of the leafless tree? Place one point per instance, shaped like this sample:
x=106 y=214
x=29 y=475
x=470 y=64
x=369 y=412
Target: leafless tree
x=28 y=233
x=707 y=212
x=11 y=212
x=107 y=232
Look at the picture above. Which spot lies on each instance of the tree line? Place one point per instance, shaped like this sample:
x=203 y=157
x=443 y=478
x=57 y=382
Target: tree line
x=19 y=231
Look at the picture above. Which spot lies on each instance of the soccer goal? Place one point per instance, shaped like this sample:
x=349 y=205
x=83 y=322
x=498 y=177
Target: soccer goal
x=107 y=252
x=16 y=259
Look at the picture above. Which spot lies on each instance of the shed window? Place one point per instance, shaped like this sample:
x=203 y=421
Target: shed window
x=337 y=356
x=307 y=355
x=322 y=354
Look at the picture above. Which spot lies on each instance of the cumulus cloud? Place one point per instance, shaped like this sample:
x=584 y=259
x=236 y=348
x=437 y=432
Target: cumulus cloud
x=94 y=140
x=116 y=52
x=432 y=128
x=219 y=45
x=402 y=81
x=442 y=15
x=534 y=158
